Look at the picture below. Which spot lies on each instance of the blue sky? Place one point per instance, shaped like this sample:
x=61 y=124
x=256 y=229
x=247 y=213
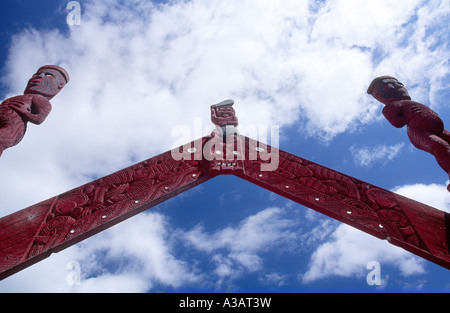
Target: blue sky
x=142 y=68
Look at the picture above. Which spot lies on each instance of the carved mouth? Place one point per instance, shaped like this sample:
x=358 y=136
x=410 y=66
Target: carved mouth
x=402 y=92
x=35 y=81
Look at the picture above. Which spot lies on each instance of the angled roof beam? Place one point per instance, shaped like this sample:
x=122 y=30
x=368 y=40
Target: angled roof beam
x=32 y=234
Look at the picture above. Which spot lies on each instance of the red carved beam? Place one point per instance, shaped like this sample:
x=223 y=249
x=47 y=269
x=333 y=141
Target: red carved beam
x=32 y=234
x=413 y=226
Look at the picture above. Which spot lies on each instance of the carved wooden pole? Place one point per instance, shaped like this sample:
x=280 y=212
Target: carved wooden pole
x=413 y=226
x=32 y=234
x=425 y=128
x=33 y=106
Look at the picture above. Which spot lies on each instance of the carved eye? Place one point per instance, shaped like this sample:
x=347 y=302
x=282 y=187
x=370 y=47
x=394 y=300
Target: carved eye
x=48 y=75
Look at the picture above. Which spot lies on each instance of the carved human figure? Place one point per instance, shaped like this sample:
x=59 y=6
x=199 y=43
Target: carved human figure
x=225 y=149
x=424 y=127
x=223 y=114
x=33 y=106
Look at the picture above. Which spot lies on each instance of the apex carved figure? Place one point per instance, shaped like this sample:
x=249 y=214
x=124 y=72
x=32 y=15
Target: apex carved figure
x=424 y=127
x=33 y=106
x=224 y=116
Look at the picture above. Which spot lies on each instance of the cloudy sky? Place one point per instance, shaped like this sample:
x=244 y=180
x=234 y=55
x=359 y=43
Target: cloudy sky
x=140 y=68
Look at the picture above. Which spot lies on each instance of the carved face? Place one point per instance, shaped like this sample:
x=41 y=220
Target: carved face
x=390 y=89
x=46 y=82
x=223 y=115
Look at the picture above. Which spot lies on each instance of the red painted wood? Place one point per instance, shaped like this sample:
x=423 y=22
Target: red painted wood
x=413 y=226
x=33 y=106
x=424 y=127
x=32 y=234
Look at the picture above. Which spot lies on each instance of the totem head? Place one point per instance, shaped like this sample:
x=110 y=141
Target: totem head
x=223 y=114
x=47 y=81
x=387 y=89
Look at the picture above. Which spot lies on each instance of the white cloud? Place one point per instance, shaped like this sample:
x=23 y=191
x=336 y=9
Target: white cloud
x=143 y=249
x=238 y=250
x=365 y=24
x=49 y=275
x=275 y=279
x=350 y=250
x=109 y=283
x=366 y=156
x=434 y=195
x=142 y=58
x=139 y=254
x=255 y=233
x=139 y=69
x=133 y=256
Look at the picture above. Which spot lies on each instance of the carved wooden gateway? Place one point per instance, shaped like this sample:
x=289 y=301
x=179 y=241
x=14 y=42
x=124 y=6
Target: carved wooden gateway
x=32 y=234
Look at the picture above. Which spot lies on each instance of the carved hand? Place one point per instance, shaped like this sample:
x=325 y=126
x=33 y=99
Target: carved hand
x=33 y=108
x=20 y=104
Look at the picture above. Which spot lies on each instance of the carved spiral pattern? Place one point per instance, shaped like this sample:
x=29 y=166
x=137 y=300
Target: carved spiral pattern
x=93 y=204
x=338 y=195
